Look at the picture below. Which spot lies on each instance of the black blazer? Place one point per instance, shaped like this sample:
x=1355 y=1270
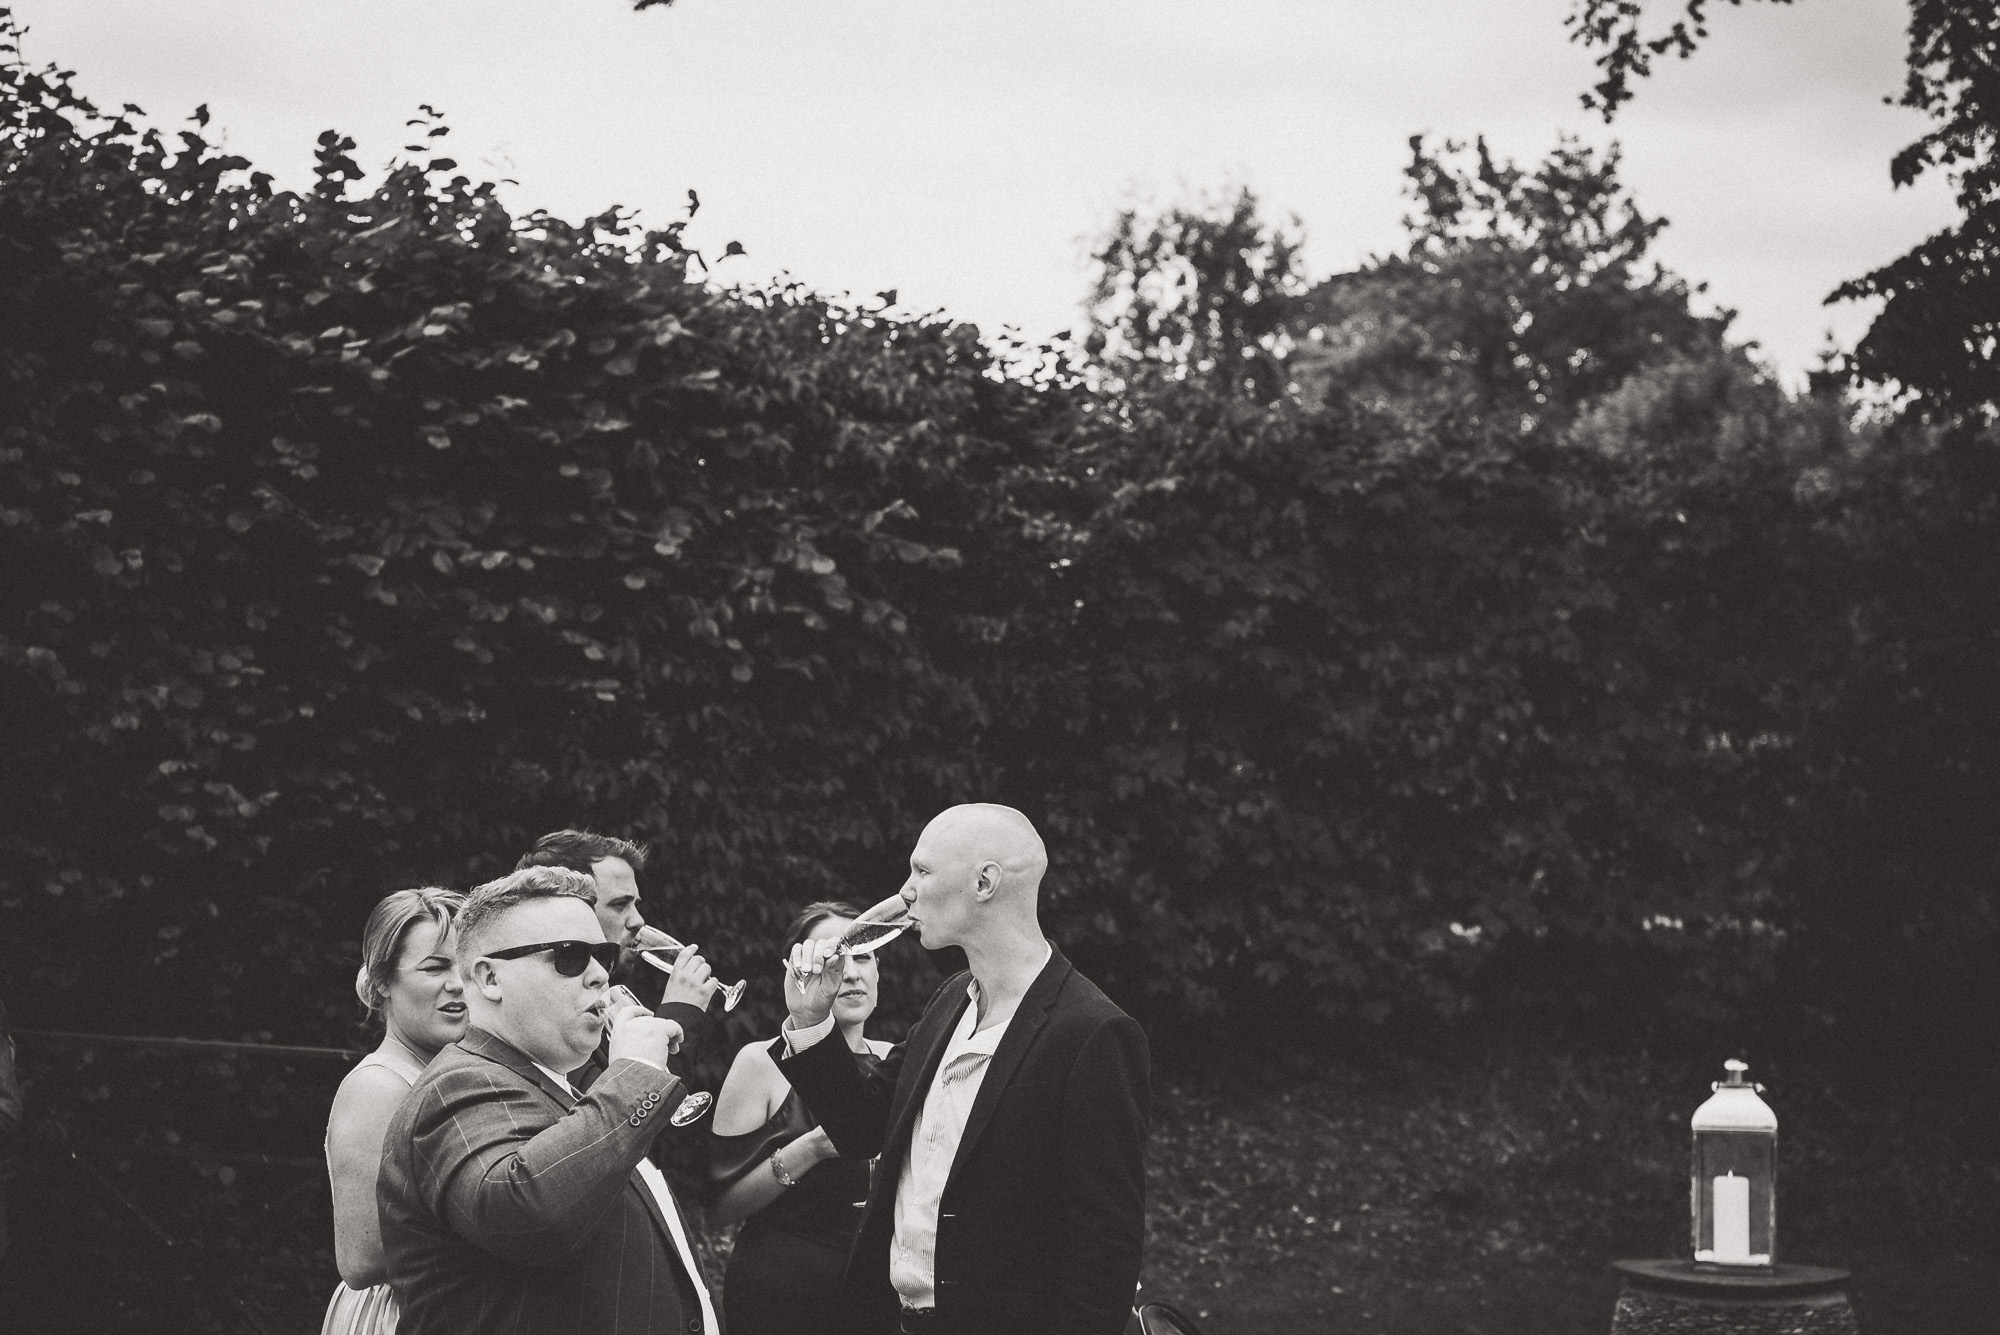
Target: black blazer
x=1042 y=1223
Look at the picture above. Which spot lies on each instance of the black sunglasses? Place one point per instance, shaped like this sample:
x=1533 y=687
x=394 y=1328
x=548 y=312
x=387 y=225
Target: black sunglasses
x=570 y=957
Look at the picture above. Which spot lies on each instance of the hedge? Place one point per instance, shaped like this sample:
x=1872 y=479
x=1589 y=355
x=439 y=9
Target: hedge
x=353 y=539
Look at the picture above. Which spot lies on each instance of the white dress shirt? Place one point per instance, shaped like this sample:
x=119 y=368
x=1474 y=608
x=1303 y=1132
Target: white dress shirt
x=663 y=1197
x=933 y=1142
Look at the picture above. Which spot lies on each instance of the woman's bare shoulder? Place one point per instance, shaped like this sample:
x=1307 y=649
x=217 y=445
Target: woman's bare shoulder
x=753 y=1062
x=369 y=1089
x=751 y=1091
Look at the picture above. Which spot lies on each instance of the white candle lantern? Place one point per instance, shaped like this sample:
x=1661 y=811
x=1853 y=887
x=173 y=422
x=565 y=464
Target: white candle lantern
x=1735 y=1187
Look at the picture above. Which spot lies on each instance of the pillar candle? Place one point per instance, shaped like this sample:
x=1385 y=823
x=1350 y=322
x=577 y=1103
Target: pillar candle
x=1732 y=1218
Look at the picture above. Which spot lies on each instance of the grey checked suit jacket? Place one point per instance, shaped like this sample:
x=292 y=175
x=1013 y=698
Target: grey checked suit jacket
x=508 y=1208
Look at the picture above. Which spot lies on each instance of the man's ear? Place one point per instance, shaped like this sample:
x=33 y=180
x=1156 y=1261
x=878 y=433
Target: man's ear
x=486 y=978
x=988 y=883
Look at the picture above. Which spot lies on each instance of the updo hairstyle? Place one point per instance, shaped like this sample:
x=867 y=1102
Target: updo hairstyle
x=812 y=915
x=389 y=922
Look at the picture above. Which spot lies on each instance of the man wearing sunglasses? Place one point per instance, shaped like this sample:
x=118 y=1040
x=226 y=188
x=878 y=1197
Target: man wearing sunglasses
x=510 y=1202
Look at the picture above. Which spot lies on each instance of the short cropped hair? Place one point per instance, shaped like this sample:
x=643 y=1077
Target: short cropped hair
x=578 y=849
x=812 y=915
x=491 y=901
x=389 y=923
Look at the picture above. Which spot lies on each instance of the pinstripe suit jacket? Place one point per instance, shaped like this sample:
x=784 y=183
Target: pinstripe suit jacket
x=508 y=1208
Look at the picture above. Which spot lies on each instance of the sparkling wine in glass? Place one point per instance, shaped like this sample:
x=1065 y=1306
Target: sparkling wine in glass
x=876 y=927
x=658 y=949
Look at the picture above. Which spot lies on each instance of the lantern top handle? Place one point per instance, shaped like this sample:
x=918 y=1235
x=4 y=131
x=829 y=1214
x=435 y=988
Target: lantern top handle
x=1734 y=1106
x=1737 y=1077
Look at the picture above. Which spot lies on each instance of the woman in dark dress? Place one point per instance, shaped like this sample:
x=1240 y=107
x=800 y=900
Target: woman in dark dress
x=773 y=1168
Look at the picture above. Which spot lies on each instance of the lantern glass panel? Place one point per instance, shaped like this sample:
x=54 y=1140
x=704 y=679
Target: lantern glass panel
x=1735 y=1197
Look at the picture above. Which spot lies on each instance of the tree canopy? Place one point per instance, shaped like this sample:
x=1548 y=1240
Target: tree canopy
x=1938 y=334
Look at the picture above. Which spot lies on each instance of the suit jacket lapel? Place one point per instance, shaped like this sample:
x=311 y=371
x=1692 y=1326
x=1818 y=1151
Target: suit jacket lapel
x=497 y=1049
x=1028 y=1020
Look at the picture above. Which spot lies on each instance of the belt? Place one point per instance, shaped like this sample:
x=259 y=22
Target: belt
x=919 y=1321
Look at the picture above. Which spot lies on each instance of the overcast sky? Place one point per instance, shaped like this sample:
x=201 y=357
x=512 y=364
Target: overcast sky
x=964 y=154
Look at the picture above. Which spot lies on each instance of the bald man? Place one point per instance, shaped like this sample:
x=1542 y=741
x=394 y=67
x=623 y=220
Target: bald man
x=1010 y=1195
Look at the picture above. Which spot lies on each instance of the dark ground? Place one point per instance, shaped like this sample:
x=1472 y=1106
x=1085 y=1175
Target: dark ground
x=1485 y=1196
x=1491 y=1196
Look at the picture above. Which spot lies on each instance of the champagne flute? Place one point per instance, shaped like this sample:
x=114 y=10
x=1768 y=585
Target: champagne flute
x=876 y=927
x=658 y=949
x=696 y=1102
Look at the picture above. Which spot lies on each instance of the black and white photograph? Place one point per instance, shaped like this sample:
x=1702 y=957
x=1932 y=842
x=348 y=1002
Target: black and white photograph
x=1082 y=667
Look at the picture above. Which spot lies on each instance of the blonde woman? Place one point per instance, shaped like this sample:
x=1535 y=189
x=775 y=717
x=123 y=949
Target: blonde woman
x=409 y=981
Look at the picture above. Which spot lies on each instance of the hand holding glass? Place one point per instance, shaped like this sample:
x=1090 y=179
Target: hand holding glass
x=697 y=1101
x=658 y=949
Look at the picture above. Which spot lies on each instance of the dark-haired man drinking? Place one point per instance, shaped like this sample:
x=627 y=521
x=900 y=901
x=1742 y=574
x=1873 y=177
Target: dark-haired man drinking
x=613 y=867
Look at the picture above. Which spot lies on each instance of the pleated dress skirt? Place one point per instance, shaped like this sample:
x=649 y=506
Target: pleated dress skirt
x=360 y=1312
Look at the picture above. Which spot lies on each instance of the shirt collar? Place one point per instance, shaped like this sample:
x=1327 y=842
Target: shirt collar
x=963 y=1041
x=561 y=1081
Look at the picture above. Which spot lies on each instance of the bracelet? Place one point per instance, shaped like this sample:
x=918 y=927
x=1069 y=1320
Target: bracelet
x=778 y=1170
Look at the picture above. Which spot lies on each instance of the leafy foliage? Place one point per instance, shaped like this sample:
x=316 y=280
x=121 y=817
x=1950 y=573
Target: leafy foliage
x=1523 y=294
x=1475 y=635
x=1939 y=330
x=1507 y=663
x=357 y=540
x=1937 y=335
x=1614 y=26
x=1205 y=287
